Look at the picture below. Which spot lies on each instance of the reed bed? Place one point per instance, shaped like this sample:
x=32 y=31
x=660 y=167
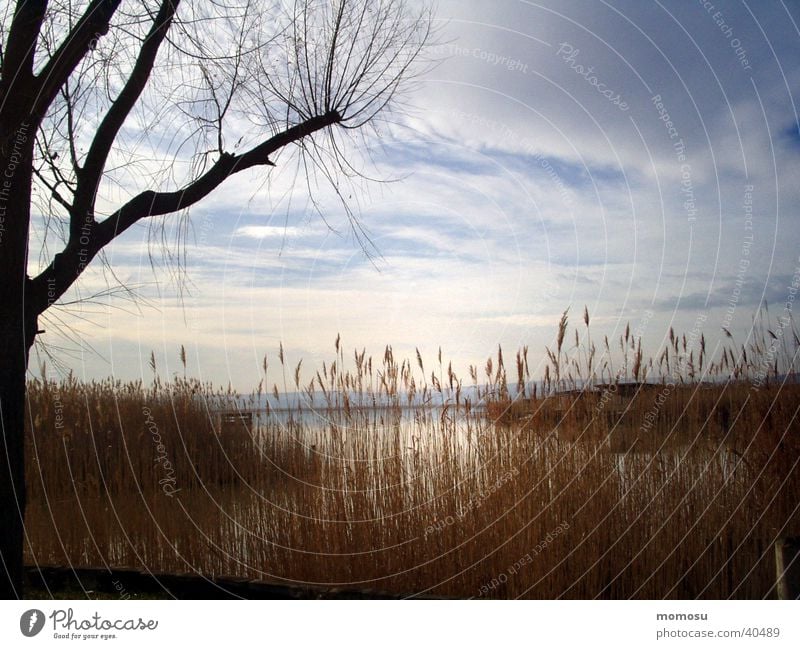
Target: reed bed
x=611 y=477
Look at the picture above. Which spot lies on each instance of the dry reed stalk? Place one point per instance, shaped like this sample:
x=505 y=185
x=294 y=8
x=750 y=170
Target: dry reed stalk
x=672 y=489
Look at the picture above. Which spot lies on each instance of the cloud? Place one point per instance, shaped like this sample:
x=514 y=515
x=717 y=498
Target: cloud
x=267 y=232
x=520 y=191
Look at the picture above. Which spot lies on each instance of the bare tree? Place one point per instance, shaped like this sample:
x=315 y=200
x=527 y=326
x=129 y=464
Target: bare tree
x=112 y=112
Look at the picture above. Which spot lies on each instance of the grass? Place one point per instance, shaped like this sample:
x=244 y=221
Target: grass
x=614 y=476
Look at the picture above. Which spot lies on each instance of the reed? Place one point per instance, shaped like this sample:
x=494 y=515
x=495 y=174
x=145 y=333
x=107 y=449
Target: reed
x=669 y=476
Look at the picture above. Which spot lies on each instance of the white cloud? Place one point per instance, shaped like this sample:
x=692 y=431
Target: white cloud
x=480 y=242
x=267 y=232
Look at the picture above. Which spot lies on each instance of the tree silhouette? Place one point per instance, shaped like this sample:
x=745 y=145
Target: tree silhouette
x=112 y=112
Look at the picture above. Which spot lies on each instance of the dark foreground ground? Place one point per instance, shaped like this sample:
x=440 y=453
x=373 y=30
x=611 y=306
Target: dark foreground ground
x=55 y=582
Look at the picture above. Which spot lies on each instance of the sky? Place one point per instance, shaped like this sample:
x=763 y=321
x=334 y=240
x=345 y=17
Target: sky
x=640 y=159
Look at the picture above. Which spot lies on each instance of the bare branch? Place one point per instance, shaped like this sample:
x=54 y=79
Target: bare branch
x=68 y=265
x=92 y=25
x=92 y=170
x=21 y=44
x=338 y=62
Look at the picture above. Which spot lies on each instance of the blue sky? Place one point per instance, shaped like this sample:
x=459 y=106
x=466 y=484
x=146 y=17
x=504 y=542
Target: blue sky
x=518 y=189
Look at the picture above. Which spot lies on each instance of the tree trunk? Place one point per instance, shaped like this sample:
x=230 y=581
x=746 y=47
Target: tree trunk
x=13 y=363
x=17 y=332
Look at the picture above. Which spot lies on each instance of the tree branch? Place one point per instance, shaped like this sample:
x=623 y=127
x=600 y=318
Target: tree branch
x=67 y=266
x=92 y=171
x=93 y=24
x=17 y=71
x=22 y=35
